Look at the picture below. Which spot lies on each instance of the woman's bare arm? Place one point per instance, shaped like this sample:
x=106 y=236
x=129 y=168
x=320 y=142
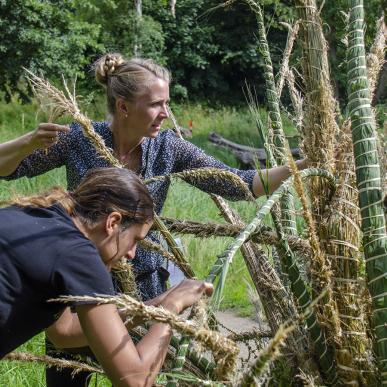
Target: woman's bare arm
x=127 y=364
x=124 y=363
x=273 y=178
x=67 y=332
x=14 y=151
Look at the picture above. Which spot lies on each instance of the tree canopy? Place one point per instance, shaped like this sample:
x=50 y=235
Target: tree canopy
x=210 y=52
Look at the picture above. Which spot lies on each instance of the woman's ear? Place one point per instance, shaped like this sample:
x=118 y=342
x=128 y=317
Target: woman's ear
x=113 y=222
x=121 y=107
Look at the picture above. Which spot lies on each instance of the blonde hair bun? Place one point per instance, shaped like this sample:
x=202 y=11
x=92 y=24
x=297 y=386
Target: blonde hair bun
x=106 y=66
x=127 y=79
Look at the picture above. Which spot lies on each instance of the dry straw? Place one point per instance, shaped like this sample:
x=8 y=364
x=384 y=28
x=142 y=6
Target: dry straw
x=263 y=234
x=68 y=104
x=254 y=334
x=284 y=68
x=213 y=174
x=49 y=361
x=375 y=58
x=224 y=351
x=297 y=100
x=265 y=356
x=123 y=272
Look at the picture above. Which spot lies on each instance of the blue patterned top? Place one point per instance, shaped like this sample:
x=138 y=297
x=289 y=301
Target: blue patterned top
x=162 y=155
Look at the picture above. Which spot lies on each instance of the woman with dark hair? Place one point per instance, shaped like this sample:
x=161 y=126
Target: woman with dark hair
x=62 y=243
x=137 y=92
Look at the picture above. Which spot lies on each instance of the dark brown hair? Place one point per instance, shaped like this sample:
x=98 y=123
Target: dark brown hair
x=101 y=191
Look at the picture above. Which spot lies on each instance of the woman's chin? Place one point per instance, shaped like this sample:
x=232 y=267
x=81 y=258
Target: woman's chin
x=154 y=132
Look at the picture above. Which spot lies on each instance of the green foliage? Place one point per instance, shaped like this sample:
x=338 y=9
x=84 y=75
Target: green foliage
x=119 y=28
x=335 y=32
x=210 y=52
x=42 y=36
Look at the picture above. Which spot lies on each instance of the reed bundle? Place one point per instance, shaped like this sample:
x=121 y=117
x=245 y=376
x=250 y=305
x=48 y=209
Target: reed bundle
x=368 y=180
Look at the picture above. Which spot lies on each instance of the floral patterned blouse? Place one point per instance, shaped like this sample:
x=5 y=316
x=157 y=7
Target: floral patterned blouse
x=162 y=155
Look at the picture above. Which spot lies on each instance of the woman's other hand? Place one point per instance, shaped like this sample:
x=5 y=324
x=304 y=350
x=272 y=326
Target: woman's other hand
x=185 y=294
x=14 y=151
x=45 y=135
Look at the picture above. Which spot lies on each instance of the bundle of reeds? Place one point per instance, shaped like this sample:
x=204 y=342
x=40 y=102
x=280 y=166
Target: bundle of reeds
x=368 y=180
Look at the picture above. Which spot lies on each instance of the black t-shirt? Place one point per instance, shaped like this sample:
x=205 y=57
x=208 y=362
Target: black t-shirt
x=42 y=255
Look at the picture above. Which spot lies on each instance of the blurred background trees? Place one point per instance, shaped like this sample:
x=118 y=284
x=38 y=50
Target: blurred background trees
x=210 y=52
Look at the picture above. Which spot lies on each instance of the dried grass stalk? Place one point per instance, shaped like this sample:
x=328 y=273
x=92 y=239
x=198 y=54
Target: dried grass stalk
x=297 y=100
x=49 y=361
x=123 y=272
x=263 y=235
x=265 y=356
x=179 y=257
x=284 y=68
x=216 y=175
x=68 y=105
x=254 y=334
x=176 y=126
x=223 y=350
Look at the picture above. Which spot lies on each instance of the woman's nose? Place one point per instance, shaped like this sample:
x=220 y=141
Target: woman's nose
x=131 y=253
x=165 y=111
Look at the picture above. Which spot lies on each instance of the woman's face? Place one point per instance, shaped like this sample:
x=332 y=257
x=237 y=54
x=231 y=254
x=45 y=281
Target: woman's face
x=122 y=243
x=146 y=114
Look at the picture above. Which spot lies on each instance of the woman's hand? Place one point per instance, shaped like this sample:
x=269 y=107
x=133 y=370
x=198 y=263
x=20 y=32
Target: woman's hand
x=13 y=152
x=185 y=294
x=274 y=177
x=45 y=135
x=302 y=164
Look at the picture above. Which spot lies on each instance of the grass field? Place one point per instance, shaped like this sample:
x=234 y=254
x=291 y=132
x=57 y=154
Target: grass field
x=183 y=202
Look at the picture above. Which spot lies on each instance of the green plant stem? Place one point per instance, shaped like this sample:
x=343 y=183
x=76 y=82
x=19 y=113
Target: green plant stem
x=368 y=180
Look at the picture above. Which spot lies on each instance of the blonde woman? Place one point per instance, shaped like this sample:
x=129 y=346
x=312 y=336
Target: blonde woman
x=65 y=243
x=137 y=92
